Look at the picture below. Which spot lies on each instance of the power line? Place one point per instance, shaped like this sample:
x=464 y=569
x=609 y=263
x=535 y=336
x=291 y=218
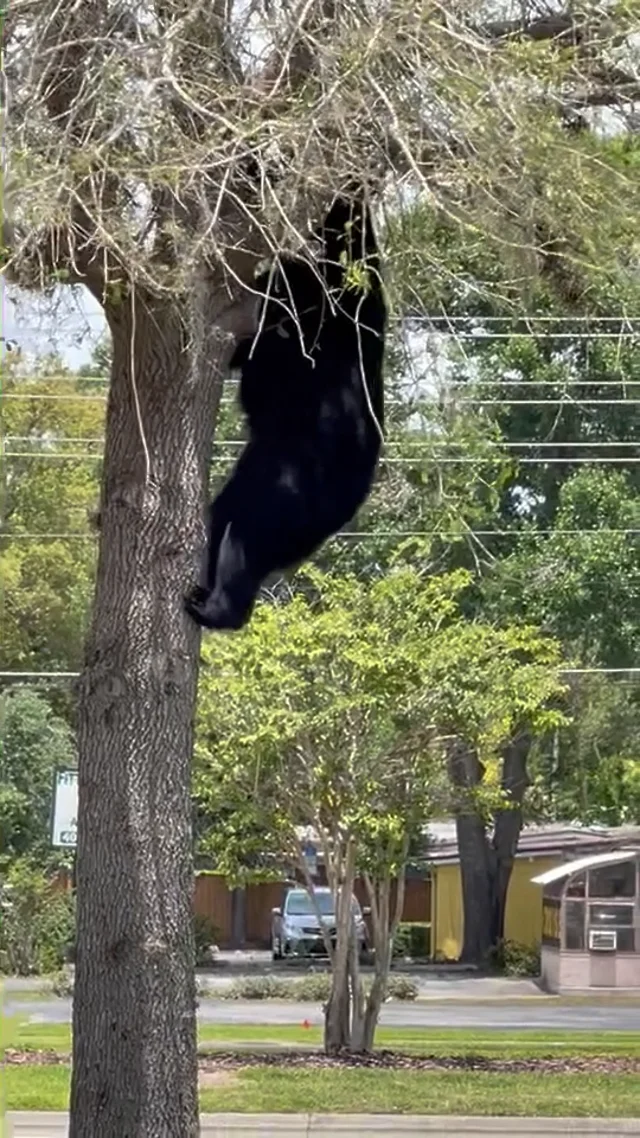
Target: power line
x=472 y=384
x=620 y=320
x=463 y=460
x=435 y=397
x=599 y=671
x=39 y=675
x=633 y=671
x=79 y=398
x=482 y=334
x=231 y=380
x=372 y=535
x=423 y=447
x=447 y=385
x=568 y=401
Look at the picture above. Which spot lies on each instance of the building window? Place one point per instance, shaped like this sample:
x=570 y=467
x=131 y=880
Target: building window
x=610 y=881
x=625 y=939
x=617 y=917
x=610 y=916
x=577 y=886
x=574 y=926
x=551 y=922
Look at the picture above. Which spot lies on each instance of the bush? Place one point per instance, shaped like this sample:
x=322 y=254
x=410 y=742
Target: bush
x=412 y=940
x=313 y=988
x=515 y=959
x=36 y=922
x=401 y=942
x=305 y=989
x=62 y=984
x=402 y=988
x=260 y=988
x=205 y=934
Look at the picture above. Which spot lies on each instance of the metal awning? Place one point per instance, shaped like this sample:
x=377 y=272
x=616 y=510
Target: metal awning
x=571 y=867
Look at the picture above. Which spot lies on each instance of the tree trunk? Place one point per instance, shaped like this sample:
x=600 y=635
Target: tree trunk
x=383 y=945
x=465 y=771
x=486 y=865
x=358 y=1002
x=337 y=1022
x=134 y=1018
x=506 y=833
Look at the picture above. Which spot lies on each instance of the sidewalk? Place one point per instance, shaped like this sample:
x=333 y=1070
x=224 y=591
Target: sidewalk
x=356 y=1126
x=443 y=987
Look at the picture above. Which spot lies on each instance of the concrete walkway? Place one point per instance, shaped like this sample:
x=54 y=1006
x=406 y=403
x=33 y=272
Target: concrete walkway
x=22 y=1125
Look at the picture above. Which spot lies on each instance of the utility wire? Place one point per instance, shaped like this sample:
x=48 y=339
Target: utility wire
x=374 y=535
x=463 y=460
x=420 y=447
x=634 y=671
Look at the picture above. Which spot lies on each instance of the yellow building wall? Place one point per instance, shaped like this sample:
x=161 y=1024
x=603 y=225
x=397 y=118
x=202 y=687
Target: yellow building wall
x=523 y=919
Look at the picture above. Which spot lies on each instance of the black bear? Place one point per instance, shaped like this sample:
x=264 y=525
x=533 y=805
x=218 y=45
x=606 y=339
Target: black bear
x=311 y=390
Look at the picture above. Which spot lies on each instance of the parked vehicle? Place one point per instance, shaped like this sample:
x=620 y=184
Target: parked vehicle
x=296 y=930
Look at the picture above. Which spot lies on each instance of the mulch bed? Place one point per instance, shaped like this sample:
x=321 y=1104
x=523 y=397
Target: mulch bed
x=387 y=1060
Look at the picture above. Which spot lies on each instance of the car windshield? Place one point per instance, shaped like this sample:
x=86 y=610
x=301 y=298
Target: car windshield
x=299 y=904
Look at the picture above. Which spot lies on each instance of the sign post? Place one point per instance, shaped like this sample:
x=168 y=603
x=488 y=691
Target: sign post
x=64 y=821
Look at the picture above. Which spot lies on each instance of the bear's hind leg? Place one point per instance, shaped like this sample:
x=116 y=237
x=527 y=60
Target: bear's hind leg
x=230 y=603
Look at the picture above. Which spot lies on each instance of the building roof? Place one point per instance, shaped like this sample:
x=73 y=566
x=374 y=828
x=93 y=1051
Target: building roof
x=571 y=867
x=555 y=839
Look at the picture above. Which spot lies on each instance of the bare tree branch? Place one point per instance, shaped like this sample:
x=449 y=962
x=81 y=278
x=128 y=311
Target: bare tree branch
x=167 y=135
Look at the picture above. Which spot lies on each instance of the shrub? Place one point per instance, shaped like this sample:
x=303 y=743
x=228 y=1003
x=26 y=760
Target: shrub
x=305 y=989
x=62 y=984
x=412 y=940
x=402 y=988
x=205 y=934
x=515 y=959
x=316 y=987
x=401 y=942
x=259 y=988
x=36 y=921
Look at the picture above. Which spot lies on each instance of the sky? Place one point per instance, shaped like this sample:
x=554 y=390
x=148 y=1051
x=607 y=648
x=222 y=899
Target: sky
x=69 y=322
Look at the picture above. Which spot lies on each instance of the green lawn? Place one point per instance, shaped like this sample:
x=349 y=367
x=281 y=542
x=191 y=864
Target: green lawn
x=437 y=1041
x=406 y=1092
x=33 y=1087
x=18 y=1033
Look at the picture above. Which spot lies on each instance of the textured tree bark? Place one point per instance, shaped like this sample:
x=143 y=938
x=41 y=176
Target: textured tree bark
x=507 y=829
x=134 y=1018
x=465 y=772
x=337 y=1016
x=486 y=863
x=476 y=889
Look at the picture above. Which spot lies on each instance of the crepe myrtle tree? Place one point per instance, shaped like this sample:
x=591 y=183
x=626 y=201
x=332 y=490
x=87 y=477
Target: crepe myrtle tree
x=154 y=152
x=338 y=712
x=315 y=717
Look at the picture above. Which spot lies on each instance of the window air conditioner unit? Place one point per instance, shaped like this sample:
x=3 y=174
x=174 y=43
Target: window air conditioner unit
x=603 y=940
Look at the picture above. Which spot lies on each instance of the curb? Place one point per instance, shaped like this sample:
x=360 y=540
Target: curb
x=55 y=1125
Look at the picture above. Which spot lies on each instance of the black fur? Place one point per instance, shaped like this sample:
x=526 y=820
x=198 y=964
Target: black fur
x=314 y=418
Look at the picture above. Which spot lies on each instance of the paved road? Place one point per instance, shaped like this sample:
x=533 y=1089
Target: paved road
x=495 y=1017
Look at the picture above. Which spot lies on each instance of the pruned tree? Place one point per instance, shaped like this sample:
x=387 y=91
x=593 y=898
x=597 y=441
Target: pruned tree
x=317 y=718
x=157 y=149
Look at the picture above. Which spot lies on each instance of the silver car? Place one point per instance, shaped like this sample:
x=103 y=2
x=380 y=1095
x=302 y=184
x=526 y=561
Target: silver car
x=295 y=929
